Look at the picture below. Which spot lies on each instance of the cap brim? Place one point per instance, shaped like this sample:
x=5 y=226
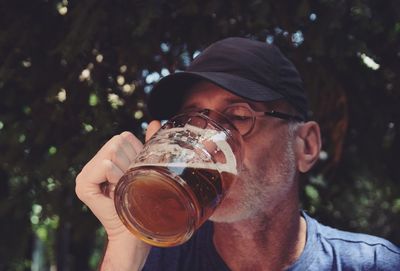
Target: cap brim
x=167 y=95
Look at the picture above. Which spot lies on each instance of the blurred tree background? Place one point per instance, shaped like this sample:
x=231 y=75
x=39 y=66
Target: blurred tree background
x=74 y=73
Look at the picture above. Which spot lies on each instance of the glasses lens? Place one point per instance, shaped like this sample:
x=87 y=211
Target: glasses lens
x=219 y=118
x=235 y=117
x=190 y=117
x=241 y=117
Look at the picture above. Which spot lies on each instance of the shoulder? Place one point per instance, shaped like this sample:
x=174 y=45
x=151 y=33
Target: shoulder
x=355 y=250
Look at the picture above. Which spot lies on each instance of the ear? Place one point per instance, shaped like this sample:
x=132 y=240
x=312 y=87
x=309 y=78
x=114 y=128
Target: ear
x=308 y=145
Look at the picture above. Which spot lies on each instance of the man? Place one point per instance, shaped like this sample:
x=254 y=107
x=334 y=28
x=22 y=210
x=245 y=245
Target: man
x=258 y=226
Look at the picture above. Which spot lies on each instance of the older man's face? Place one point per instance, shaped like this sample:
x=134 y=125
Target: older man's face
x=269 y=166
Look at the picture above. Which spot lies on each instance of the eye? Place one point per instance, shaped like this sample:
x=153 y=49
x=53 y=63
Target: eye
x=240 y=116
x=238 y=113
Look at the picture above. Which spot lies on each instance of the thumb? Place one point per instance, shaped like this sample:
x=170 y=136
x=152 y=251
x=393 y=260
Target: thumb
x=153 y=127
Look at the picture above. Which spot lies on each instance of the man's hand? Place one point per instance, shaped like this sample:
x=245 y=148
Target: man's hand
x=108 y=165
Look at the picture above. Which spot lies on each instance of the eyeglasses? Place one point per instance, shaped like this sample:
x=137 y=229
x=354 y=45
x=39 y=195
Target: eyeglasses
x=243 y=117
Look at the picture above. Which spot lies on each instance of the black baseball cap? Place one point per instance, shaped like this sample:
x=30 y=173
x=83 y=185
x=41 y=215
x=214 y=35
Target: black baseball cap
x=248 y=68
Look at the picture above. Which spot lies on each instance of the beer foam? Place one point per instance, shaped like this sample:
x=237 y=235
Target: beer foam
x=163 y=147
x=211 y=166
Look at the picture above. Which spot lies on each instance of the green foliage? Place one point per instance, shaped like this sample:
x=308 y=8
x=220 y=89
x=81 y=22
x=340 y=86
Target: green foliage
x=74 y=73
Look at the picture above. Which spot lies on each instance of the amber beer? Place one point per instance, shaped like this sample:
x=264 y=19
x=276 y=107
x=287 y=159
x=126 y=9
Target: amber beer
x=179 y=178
x=164 y=205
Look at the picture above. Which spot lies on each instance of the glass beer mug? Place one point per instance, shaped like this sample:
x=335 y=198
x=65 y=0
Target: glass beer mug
x=179 y=178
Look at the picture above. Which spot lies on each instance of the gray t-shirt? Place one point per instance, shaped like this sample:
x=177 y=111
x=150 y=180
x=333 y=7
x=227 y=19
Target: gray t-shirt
x=326 y=249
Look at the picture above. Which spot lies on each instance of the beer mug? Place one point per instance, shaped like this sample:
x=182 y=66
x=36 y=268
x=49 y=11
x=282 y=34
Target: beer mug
x=179 y=178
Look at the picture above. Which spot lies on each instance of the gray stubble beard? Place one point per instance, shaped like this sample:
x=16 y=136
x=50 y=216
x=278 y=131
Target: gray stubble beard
x=264 y=189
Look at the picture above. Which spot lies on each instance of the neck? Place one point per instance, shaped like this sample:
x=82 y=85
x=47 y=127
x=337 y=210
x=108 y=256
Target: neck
x=264 y=242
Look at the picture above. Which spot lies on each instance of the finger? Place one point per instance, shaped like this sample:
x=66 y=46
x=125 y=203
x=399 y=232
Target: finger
x=96 y=170
x=90 y=184
x=118 y=156
x=118 y=150
x=92 y=176
x=113 y=172
x=127 y=147
x=152 y=128
x=132 y=144
x=113 y=175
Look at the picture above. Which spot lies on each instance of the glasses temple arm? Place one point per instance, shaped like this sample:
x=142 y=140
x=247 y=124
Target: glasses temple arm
x=284 y=116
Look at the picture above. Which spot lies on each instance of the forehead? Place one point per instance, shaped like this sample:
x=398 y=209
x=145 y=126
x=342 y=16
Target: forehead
x=205 y=94
x=208 y=95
